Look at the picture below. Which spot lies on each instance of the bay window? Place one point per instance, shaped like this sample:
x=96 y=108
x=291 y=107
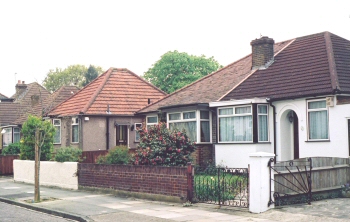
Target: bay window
x=190 y=121
x=16 y=135
x=317 y=120
x=243 y=123
x=7 y=137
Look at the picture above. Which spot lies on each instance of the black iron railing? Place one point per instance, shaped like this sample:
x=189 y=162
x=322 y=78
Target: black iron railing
x=222 y=186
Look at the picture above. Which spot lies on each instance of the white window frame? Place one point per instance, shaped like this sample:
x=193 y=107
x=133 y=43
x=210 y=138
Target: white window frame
x=10 y=129
x=151 y=124
x=315 y=110
x=197 y=119
x=19 y=134
x=60 y=131
x=233 y=115
x=263 y=114
x=76 y=122
x=136 y=133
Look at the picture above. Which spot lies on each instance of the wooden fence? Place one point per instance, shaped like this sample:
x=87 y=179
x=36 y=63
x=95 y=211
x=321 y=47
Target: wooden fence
x=6 y=164
x=328 y=173
x=91 y=156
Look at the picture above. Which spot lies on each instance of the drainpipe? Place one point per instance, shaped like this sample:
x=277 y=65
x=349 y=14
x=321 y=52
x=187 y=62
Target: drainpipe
x=107 y=133
x=274 y=126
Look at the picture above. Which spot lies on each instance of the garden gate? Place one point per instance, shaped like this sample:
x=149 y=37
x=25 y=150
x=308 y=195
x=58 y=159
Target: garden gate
x=222 y=186
x=292 y=182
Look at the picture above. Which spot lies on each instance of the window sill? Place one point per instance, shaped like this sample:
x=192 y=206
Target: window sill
x=312 y=141
x=57 y=144
x=244 y=143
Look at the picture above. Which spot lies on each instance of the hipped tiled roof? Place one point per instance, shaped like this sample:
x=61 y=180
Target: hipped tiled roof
x=211 y=87
x=120 y=89
x=312 y=65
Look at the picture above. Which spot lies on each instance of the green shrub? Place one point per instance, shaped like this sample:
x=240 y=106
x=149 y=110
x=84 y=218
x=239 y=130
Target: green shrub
x=46 y=132
x=163 y=147
x=117 y=155
x=68 y=154
x=12 y=149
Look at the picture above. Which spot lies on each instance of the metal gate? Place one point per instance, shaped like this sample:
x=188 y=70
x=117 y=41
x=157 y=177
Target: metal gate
x=222 y=186
x=292 y=182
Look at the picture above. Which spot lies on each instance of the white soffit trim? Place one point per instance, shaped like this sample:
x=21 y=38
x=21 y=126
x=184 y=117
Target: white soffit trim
x=237 y=102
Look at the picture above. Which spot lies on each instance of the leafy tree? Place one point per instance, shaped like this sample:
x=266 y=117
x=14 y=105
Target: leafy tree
x=90 y=75
x=46 y=134
x=177 y=69
x=161 y=146
x=73 y=75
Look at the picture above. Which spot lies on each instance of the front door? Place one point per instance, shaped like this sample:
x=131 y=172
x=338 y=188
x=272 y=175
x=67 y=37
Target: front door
x=122 y=135
x=296 y=135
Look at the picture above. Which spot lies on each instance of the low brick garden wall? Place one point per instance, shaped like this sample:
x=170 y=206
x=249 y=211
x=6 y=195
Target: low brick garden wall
x=168 y=181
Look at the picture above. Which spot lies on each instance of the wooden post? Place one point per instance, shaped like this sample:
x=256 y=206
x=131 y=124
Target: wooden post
x=190 y=175
x=37 y=168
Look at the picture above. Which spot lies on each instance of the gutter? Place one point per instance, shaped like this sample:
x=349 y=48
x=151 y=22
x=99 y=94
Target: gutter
x=269 y=100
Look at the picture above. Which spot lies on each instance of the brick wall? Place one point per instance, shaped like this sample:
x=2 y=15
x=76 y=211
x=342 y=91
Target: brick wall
x=169 y=181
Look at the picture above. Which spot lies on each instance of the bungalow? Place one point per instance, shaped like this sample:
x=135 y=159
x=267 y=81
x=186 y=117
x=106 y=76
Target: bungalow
x=289 y=98
x=101 y=115
x=29 y=99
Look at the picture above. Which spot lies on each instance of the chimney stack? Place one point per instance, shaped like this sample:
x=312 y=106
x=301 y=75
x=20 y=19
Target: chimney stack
x=262 y=52
x=20 y=88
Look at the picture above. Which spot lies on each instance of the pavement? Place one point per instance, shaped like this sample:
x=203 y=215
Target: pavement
x=80 y=205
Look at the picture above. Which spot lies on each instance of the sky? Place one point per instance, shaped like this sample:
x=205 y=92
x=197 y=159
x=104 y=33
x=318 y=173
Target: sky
x=39 y=35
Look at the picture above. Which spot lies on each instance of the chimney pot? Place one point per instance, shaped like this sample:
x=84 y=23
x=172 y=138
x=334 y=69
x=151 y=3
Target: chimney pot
x=23 y=82
x=19 y=82
x=262 y=52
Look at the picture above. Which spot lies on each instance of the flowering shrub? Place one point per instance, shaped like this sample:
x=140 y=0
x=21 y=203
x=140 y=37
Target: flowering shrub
x=160 y=146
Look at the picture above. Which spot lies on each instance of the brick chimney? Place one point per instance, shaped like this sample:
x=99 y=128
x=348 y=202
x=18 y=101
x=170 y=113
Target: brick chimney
x=20 y=88
x=262 y=52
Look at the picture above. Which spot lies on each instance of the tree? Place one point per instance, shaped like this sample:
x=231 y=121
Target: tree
x=90 y=75
x=46 y=131
x=177 y=69
x=37 y=143
x=73 y=75
x=164 y=147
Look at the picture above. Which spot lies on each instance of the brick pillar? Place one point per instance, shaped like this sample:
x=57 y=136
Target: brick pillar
x=190 y=177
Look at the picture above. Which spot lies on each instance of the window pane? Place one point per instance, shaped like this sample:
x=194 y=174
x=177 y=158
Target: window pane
x=263 y=133
x=318 y=125
x=137 y=134
x=16 y=130
x=57 y=137
x=238 y=128
x=7 y=137
x=205 y=131
x=227 y=111
x=189 y=115
x=152 y=119
x=204 y=114
x=75 y=133
x=56 y=122
x=317 y=104
x=189 y=127
x=240 y=110
x=262 y=109
x=174 y=116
